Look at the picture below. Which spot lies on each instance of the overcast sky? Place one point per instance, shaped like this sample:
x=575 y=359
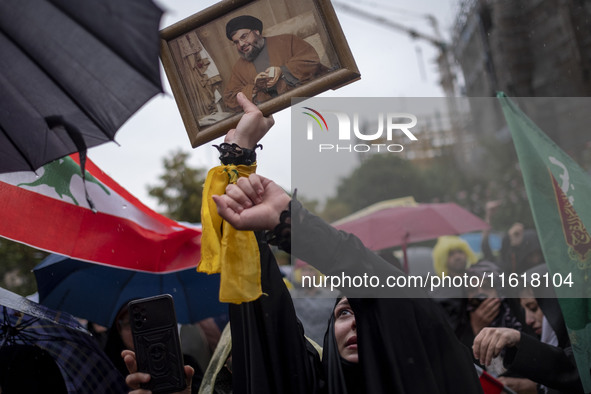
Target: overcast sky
x=392 y=64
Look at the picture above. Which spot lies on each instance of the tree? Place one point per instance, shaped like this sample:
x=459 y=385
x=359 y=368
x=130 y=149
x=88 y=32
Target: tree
x=16 y=264
x=499 y=179
x=440 y=179
x=383 y=177
x=335 y=209
x=180 y=189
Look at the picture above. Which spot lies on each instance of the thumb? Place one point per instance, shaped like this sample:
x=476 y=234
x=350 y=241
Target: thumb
x=189 y=372
x=219 y=202
x=230 y=135
x=246 y=104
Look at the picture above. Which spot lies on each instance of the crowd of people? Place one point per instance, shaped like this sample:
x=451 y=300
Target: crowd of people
x=294 y=339
x=403 y=343
x=309 y=340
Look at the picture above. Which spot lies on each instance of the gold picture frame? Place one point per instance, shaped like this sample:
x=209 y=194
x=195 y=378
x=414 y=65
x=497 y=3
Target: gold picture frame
x=199 y=59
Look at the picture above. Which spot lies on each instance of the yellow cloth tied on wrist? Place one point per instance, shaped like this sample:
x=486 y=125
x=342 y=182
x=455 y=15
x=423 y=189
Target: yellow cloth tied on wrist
x=232 y=253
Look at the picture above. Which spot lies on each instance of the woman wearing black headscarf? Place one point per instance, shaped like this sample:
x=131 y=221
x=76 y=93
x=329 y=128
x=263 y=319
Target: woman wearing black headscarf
x=403 y=345
x=487 y=306
x=546 y=356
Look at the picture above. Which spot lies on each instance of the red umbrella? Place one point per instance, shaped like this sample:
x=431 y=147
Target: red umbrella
x=402 y=225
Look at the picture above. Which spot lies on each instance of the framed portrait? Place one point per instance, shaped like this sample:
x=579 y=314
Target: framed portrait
x=270 y=50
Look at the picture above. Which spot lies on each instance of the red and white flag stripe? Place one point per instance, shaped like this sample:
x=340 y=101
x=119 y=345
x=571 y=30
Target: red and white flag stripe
x=48 y=211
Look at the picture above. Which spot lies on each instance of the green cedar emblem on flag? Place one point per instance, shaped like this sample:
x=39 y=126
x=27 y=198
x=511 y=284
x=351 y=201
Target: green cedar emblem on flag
x=559 y=192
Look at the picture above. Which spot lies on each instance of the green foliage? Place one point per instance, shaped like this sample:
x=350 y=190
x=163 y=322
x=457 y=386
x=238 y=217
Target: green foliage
x=498 y=178
x=445 y=178
x=18 y=261
x=335 y=209
x=180 y=188
x=493 y=175
x=310 y=205
x=382 y=177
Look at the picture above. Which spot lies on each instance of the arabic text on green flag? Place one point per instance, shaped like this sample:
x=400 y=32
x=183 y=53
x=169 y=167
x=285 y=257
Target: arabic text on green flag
x=559 y=191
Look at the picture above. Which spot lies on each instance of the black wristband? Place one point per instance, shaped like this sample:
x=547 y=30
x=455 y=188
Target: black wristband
x=280 y=236
x=236 y=155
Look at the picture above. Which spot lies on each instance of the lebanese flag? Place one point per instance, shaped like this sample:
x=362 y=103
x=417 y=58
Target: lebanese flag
x=490 y=384
x=49 y=211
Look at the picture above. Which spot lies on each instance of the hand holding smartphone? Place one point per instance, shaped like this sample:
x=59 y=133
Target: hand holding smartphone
x=157 y=344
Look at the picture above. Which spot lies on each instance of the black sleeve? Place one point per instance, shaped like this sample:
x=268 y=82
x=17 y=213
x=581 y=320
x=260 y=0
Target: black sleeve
x=405 y=342
x=269 y=351
x=343 y=255
x=546 y=364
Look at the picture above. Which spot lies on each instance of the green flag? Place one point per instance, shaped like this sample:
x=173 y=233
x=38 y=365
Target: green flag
x=559 y=192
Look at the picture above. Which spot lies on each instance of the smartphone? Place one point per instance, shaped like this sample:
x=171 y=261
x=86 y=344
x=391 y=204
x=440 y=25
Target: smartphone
x=157 y=344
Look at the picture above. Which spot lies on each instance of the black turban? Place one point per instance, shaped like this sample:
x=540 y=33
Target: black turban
x=243 y=22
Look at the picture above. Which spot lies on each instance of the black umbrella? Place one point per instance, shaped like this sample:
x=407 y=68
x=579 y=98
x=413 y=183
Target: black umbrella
x=25 y=326
x=71 y=73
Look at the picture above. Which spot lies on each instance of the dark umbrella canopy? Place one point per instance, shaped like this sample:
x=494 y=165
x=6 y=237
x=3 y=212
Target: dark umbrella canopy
x=71 y=73
x=96 y=292
x=85 y=368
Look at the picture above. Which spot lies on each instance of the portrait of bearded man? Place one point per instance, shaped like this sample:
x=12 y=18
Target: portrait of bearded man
x=268 y=66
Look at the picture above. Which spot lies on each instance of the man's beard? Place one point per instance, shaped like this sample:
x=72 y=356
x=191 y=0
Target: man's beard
x=257 y=47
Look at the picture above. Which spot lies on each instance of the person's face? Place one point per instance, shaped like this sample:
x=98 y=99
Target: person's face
x=248 y=43
x=345 y=331
x=533 y=314
x=124 y=328
x=516 y=234
x=531 y=260
x=484 y=291
x=456 y=260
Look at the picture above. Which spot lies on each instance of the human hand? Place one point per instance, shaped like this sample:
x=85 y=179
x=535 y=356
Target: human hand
x=252 y=203
x=520 y=385
x=273 y=75
x=260 y=81
x=485 y=314
x=490 y=208
x=135 y=378
x=491 y=340
x=252 y=125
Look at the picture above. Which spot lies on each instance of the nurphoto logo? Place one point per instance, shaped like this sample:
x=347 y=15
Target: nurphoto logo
x=379 y=140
